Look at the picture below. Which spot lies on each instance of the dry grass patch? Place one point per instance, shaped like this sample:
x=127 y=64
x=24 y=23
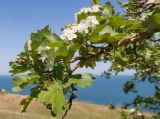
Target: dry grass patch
x=10 y=109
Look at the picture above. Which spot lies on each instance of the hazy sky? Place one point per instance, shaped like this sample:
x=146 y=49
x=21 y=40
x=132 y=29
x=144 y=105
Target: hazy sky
x=18 y=18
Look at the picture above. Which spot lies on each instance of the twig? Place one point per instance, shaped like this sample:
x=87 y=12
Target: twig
x=135 y=37
x=70 y=101
x=76 y=66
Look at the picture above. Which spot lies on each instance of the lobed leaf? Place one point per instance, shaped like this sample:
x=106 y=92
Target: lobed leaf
x=80 y=80
x=54 y=96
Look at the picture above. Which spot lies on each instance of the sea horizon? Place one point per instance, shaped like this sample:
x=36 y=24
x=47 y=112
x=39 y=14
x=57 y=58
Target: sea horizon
x=103 y=91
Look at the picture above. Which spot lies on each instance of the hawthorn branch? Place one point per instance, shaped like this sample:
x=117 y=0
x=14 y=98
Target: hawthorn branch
x=76 y=66
x=142 y=6
x=103 y=50
x=135 y=38
x=150 y=6
x=70 y=101
x=76 y=59
x=128 y=39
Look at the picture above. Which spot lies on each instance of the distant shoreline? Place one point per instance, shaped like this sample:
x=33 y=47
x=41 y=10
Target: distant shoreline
x=101 y=92
x=9 y=106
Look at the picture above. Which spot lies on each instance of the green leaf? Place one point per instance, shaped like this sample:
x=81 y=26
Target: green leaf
x=121 y=24
x=85 y=81
x=40 y=38
x=25 y=102
x=80 y=80
x=58 y=72
x=91 y=63
x=107 y=29
x=16 y=89
x=81 y=16
x=51 y=40
x=108 y=9
x=18 y=80
x=21 y=64
x=18 y=69
x=54 y=39
x=54 y=95
x=157 y=18
x=22 y=81
x=94 y=38
x=62 y=51
x=71 y=51
x=95 y=2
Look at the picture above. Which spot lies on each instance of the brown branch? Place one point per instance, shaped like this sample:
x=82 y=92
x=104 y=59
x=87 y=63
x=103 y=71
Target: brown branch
x=76 y=59
x=150 y=6
x=139 y=3
x=129 y=39
x=134 y=38
x=76 y=67
x=70 y=101
x=142 y=6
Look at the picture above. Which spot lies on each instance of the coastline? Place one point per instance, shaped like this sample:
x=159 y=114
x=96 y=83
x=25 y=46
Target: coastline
x=9 y=107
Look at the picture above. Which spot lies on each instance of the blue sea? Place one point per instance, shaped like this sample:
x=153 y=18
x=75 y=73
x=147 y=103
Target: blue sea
x=102 y=91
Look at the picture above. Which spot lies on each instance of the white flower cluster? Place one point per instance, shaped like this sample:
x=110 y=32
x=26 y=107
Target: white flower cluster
x=43 y=56
x=153 y=1
x=91 y=21
x=69 y=33
x=94 y=9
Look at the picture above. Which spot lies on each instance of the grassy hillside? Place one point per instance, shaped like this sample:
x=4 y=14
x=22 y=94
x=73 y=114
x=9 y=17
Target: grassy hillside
x=10 y=109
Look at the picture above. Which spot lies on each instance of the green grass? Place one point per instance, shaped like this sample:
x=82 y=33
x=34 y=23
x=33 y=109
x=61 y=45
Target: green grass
x=10 y=109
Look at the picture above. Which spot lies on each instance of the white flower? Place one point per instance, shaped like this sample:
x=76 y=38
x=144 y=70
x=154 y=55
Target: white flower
x=95 y=8
x=148 y=54
x=139 y=114
x=48 y=68
x=132 y=110
x=68 y=34
x=72 y=27
x=48 y=48
x=39 y=52
x=43 y=57
x=85 y=10
x=29 y=42
x=82 y=28
x=91 y=21
x=55 y=49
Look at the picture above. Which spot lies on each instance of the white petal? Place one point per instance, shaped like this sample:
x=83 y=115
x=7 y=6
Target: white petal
x=47 y=47
x=29 y=42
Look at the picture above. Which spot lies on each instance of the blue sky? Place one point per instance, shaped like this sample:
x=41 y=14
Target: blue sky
x=18 y=18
